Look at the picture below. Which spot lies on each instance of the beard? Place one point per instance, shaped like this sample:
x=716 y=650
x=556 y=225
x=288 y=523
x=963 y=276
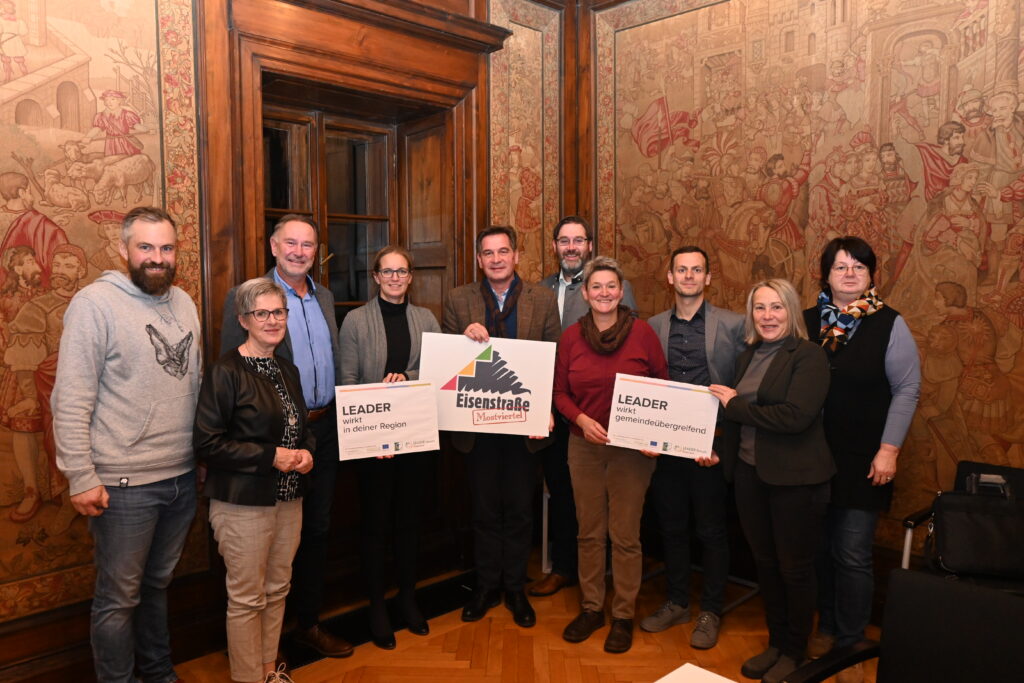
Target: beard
x=154 y=284
x=570 y=270
x=62 y=282
x=33 y=279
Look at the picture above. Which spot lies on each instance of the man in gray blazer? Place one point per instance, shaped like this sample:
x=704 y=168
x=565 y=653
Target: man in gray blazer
x=701 y=343
x=311 y=343
x=573 y=244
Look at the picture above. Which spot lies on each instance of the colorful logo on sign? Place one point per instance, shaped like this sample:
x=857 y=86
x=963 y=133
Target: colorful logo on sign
x=487 y=373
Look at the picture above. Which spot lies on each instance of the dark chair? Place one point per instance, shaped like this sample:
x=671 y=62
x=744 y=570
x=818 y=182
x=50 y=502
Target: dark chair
x=936 y=630
x=965 y=469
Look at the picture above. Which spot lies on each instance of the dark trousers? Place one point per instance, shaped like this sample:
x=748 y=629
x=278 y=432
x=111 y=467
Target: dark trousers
x=679 y=485
x=784 y=527
x=389 y=493
x=502 y=476
x=310 y=567
x=562 y=526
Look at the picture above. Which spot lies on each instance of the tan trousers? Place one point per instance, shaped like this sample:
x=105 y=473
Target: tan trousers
x=258 y=544
x=609 y=485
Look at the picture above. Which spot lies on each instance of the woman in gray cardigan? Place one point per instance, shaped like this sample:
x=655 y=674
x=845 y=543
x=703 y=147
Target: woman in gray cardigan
x=380 y=342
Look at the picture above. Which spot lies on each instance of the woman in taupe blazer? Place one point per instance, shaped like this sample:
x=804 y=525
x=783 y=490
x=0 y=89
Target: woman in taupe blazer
x=775 y=451
x=380 y=342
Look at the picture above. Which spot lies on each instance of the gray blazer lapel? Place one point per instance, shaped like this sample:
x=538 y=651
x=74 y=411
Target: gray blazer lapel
x=710 y=331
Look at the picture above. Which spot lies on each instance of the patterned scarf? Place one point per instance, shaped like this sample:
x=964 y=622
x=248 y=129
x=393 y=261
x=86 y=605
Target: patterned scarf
x=837 y=322
x=495 y=318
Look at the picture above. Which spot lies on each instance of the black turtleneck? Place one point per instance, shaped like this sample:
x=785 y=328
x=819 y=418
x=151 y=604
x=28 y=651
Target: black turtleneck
x=396 y=329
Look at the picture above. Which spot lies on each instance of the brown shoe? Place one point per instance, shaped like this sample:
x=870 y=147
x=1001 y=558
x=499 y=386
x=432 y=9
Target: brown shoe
x=820 y=644
x=852 y=674
x=620 y=637
x=323 y=642
x=583 y=626
x=550 y=584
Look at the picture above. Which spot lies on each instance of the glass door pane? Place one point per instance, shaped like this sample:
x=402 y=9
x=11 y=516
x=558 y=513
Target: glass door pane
x=356 y=173
x=286 y=168
x=352 y=246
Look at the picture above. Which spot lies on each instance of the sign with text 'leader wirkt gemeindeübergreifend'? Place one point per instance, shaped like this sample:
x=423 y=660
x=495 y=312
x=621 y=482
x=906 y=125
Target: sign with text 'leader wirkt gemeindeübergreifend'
x=502 y=386
x=673 y=418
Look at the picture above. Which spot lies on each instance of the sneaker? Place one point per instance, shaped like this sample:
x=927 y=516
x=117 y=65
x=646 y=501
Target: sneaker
x=781 y=669
x=820 y=644
x=852 y=674
x=278 y=676
x=666 y=616
x=705 y=631
x=758 y=665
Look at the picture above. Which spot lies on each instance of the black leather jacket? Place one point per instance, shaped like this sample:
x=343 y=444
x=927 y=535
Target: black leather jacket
x=238 y=427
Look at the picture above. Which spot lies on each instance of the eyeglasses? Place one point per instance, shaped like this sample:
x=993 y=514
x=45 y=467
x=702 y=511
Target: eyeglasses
x=574 y=241
x=858 y=268
x=262 y=314
x=400 y=273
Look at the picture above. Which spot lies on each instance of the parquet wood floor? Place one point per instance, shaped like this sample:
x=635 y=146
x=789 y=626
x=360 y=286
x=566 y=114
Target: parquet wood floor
x=496 y=650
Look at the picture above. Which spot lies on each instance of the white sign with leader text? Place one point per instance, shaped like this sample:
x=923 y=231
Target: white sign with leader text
x=385 y=419
x=672 y=418
x=502 y=386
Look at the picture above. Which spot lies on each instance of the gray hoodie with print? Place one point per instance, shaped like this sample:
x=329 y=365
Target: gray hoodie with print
x=128 y=375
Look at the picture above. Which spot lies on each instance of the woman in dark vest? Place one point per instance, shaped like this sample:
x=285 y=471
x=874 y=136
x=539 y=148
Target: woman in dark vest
x=876 y=378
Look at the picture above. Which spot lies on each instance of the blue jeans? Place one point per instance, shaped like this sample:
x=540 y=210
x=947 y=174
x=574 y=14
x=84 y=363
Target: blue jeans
x=846 y=581
x=139 y=540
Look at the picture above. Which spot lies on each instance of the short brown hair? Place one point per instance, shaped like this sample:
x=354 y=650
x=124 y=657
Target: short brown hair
x=148 y=214
x=505 y=230
x=11 y=183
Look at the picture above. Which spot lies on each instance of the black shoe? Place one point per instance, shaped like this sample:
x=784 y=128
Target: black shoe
x=522 y=611
x=381 y=633
x=583 y=626
x=758 y=665
x=413 y=617
x=482 y=600
x=620 y=637
x=384 y=642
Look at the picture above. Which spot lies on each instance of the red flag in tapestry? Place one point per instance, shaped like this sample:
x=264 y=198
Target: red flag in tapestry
x=658 y=128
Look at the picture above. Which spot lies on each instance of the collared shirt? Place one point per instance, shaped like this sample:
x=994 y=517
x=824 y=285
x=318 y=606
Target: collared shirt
x=563 y=287
x=311 y=344
x=499 y=299
x=687 y=353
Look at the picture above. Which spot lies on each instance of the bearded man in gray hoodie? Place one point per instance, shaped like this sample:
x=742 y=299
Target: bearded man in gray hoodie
x=128 y=374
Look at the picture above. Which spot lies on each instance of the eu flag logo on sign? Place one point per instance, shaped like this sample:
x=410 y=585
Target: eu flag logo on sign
x=384 y=446
x=653 y=443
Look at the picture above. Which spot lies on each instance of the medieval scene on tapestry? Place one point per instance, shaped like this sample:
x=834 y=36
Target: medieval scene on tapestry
x=82 y=117
x=525 y=122
x=761 y=130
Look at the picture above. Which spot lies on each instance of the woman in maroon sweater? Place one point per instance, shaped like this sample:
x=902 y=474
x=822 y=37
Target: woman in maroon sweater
x=608 y=482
